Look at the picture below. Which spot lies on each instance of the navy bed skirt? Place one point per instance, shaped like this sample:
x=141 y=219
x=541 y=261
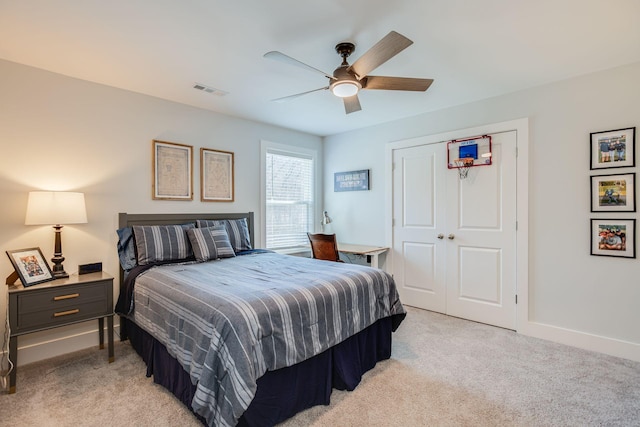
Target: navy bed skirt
x=287 y=391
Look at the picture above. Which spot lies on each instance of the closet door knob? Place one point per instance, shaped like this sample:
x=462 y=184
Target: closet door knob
x=451 y=237
x=440 y=236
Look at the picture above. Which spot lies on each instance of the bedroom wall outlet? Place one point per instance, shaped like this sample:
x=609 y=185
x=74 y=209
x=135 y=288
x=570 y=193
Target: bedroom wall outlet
x=89 y=268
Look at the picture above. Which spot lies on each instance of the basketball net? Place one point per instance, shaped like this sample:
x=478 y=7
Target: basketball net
x=463 y=166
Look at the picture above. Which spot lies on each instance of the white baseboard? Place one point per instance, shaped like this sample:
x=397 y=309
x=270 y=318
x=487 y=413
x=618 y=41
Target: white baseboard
x=56 y=347
x=583 y=340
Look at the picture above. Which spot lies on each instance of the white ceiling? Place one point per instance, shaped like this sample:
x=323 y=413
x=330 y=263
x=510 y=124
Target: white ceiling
x=473 y=49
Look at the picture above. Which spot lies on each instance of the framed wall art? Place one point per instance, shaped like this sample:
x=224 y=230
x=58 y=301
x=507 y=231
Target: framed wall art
x=613 y=148
x=613 y=193
x=172 y=171
x=351 y=181
x=216 y=175
x=613 y=237
x=30 y=266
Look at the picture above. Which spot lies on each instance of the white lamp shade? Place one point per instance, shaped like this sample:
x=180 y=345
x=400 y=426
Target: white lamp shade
x=55 y=207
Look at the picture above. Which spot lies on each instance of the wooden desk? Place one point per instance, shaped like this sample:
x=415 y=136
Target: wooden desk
x=369 y=251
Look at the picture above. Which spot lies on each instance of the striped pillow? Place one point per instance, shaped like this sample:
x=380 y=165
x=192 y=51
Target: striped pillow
x=210 y=243
x=237 y=229
x=156 y=243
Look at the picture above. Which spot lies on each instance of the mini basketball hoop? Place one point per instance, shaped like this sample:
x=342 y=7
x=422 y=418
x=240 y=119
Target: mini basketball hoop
x=463 y=166
x=464 y=154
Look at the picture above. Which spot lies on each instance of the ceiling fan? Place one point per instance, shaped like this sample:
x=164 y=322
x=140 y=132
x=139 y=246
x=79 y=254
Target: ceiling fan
x=347 y=80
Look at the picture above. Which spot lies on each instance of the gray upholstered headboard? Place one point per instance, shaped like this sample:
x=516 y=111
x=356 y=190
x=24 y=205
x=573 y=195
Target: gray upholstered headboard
x=128 y=220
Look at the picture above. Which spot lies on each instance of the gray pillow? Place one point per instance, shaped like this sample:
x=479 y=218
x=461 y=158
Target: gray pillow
x=210 y=243
x=237 y=229
x=156 y=243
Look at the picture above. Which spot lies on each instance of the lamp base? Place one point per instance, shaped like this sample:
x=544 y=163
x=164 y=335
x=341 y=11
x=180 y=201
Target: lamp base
x=60 y=274
x=57 y=260
x=58 y=270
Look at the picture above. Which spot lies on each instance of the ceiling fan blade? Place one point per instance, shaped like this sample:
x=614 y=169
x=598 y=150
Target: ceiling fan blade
x=279 y=56
x=351 y=104
x=397 y=83
x=287 y=98
x=388 y=47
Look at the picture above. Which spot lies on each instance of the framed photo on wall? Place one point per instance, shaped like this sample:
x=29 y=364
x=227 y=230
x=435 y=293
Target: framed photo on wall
x=613 y=193
x=216 y=175
x=613 y=237
x=172 y=171
x=613 y=148
x=30 y=266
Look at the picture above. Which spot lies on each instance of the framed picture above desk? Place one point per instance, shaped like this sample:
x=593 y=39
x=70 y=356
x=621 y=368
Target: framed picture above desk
x=351 y=181
x=371 y=252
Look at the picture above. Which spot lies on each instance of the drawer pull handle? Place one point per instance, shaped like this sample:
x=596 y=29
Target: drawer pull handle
x=61 y=297
x=66 y=313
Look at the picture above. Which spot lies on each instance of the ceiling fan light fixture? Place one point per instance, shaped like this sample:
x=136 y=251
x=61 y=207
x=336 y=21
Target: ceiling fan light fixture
x=348 y=80
x=345 y=89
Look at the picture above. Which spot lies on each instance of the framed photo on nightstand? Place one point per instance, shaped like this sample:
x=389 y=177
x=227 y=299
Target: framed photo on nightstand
x=30 y=266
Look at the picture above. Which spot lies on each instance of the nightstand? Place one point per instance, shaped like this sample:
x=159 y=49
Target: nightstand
x=61 y=302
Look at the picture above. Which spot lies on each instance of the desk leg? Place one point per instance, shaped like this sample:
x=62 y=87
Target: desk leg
x=13 y=356
x=110 y=338
x=101 y=331
x=374 y=260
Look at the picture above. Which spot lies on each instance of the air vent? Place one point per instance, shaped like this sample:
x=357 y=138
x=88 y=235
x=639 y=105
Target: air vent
x=210 y=89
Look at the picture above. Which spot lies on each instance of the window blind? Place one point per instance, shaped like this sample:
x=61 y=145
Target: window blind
x=289 y=200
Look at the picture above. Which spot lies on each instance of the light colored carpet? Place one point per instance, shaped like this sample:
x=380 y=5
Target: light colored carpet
x=443 y=372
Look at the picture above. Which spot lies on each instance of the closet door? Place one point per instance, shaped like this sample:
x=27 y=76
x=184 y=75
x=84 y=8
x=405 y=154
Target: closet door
x=454 y=241
x=481 y=254
x=419 y=217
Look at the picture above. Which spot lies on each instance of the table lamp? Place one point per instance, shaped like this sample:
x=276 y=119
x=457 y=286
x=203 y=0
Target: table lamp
x=57 y=208
x=326 y=219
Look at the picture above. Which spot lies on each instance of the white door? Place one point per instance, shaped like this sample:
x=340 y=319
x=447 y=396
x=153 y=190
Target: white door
x=455 y=240
x=419 y=214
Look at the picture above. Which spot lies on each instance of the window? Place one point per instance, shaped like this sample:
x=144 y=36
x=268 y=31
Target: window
x=289 y=196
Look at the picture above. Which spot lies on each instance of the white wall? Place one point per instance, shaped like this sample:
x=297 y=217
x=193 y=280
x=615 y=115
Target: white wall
x=583 y=300
x=59 y=133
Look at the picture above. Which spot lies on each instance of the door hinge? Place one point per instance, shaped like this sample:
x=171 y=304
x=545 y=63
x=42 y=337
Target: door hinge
x=516 y=225
x=393 y=222
x=516 y=299
x=516 y=151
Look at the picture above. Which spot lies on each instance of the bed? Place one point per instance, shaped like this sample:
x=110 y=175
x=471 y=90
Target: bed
x=244 y=336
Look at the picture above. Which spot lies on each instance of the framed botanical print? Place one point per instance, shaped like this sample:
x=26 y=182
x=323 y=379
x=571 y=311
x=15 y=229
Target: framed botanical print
x=216 y=175
x=30 y=266
x=613 y=193
x=172 y=171
x=613 y=148
x=613 y=237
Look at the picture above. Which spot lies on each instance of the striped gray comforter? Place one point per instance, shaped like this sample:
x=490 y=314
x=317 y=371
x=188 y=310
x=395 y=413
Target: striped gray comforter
x=229 y=321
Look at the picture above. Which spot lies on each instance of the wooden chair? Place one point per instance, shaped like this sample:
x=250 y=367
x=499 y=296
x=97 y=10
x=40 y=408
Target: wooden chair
x=324 y=246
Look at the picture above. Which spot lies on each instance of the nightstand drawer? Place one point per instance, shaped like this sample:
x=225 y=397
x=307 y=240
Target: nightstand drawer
x=62 y=305
x=70 y=314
